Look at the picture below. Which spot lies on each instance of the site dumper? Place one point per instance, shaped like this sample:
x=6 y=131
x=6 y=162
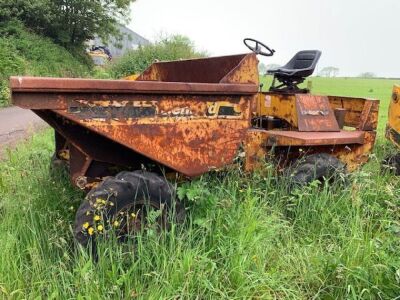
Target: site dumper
x=392 y=161
x=122 y=139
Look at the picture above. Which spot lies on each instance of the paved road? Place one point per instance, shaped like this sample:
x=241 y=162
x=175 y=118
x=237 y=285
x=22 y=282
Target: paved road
x=15 y=124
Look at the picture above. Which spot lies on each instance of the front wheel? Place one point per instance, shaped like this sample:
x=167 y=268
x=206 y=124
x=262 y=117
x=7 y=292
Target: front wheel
x=321 y=166
x=125 y=205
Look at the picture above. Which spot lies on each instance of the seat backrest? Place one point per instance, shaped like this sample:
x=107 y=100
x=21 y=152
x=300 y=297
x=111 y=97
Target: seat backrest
x=306 y=59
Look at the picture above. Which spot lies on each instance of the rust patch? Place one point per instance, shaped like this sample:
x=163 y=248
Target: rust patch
x=203 y=70
x=315 y=114
x=296 y=138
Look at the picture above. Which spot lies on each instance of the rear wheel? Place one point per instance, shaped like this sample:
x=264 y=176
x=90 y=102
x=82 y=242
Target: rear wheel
x=392 y=163
x=125 y=205
x=321 y=166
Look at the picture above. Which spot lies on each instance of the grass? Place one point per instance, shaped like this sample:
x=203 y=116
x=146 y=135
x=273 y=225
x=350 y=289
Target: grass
x=245 y=236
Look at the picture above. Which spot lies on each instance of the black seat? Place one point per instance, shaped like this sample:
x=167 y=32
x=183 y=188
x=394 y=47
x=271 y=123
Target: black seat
x=295 y=71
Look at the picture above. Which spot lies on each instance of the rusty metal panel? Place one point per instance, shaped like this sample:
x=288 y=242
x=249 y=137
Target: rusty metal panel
x=354 y=109
x=315 y=114
x=366 y=112
x=255 y=149
x=38 y=100
x=296 y=138
x=203 y=70
x=245 y=72
x=278 y=105
x=356 y=155
x=75 y=85
x=192 y=135
x=392 y=135
x=351 y=147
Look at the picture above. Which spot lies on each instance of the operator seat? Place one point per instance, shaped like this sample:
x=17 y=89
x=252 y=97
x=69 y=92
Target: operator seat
x=295 y=72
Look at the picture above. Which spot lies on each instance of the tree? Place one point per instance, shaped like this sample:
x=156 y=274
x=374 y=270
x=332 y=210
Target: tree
x=329 y=72
x=367 y=75
x=69 y=22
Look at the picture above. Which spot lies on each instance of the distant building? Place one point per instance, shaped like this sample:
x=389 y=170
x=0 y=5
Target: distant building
x=130 y=41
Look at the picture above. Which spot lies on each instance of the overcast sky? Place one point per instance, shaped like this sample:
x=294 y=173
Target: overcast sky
x=354 y=35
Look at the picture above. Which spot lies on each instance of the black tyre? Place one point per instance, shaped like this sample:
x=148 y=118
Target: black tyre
x=124 y=204
x=321 y=166
x=392 y=164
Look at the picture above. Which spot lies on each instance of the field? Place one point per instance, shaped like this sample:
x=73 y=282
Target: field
x=244 y=237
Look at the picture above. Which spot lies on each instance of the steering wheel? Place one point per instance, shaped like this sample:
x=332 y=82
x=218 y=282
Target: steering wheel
x=257 y=49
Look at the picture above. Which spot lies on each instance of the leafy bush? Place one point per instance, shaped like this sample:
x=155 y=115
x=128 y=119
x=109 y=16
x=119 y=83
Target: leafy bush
x=4 y=93
x=25 y=53
x=10 y=63
x=169 y=48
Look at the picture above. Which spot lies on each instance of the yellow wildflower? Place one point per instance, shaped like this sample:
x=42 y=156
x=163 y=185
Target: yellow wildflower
x=85 y=225
x=100 y=228
x=91 y=231
x=96 y=218
x=116 y=223
x=133 y=215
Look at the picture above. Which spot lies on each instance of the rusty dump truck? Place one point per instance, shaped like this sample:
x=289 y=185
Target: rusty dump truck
x=122 y=139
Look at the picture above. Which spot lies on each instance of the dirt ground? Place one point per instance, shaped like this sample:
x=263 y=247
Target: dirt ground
x=17 y=124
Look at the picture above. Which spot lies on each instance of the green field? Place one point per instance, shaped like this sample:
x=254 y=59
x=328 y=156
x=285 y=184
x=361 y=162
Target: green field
x=244 y=237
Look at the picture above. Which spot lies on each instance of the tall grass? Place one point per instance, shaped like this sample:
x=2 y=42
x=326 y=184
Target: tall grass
x=246 y=236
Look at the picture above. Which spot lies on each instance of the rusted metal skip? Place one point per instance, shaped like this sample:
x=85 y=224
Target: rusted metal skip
x=189 y=117
x=191 y=135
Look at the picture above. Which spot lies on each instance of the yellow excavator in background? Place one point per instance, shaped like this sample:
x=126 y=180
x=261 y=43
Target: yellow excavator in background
x=100 y=55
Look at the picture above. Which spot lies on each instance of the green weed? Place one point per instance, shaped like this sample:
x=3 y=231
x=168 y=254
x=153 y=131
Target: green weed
x=244 y=237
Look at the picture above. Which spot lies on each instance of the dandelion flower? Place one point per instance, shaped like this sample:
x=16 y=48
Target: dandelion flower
x=133 y=215
x=91 y=231
x=116 y=223
x=100 y=228
x=85 y=225
x=96 y=218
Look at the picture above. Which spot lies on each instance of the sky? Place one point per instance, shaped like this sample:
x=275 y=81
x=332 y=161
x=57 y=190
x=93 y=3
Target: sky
x=354 y=35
